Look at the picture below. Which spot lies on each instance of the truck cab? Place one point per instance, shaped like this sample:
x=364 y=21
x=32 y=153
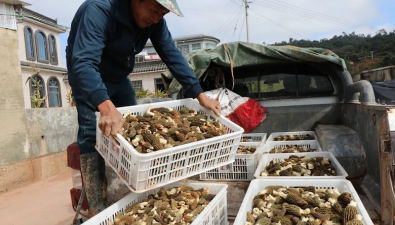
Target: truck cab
x=310 y=90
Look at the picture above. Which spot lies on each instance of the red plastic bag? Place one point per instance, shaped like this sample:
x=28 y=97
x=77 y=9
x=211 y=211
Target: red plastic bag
x=244 y=111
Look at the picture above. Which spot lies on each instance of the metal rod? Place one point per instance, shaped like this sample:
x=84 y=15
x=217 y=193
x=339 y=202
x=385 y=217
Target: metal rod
x=297 y=81
x=259 y=85
x=78 y=209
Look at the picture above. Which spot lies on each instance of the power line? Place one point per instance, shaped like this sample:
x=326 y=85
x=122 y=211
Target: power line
x=219 y=29
x=237 y=22
x=242 y=27
x=225 y=29
x=298 y=13
x=228 y=30
x=285 y=4
x=278 y=24
x=235 y=2
x=200 y=10
x=302 y=13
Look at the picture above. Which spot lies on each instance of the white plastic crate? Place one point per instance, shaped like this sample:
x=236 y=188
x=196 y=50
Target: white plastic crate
x=260 y=184
x=312 y=144
x=142 y=172
x=298 y=133
x=255 y=137
x=215 y=212
x=266 y=158
x=242 y=169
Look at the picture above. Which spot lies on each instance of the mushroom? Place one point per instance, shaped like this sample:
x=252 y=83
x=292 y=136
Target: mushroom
x=137 y=139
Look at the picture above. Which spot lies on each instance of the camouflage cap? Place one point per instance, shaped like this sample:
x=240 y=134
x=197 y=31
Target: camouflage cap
x=171 y=5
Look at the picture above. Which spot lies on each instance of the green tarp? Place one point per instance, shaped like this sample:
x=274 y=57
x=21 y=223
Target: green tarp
x=248 y=54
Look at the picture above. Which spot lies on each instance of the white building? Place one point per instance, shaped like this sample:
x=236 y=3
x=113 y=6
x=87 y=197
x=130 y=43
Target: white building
x=148 y=67
x=39 y=47
x=187 y=44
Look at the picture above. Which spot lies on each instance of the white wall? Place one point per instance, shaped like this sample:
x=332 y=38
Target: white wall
x=202 y=42
x=8 y=22
x=196 y=42
x=46 y=75
x=12 y=113
x=46 y=30
x=149 y=50
x=148 y=79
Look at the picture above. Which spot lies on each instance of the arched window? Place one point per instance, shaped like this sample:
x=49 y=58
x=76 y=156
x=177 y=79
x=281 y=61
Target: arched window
x=54 y=92
x=42 y=50
x=53 y=56
x=29 y=43
x=37 y=92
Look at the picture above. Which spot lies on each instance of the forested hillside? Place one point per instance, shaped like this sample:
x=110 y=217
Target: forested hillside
x=360 y=51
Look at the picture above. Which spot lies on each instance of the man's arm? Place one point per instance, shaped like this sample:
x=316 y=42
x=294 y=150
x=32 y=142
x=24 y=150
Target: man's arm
x=175 y=61
x=87 y=51
x=178 y=66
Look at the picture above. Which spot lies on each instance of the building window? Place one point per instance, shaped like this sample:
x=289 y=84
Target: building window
x=52 y=50
x=54 y=92
x=159 y=84
x=210 y=45
x=29 y=43
x=139 y=58
x=37 y=92
x=41 y=43
x=196 y=46
x=184 y=49
x=152 y=53
x=137 y=85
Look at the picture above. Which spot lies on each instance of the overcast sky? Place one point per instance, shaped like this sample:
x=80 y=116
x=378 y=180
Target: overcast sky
x=270 y=21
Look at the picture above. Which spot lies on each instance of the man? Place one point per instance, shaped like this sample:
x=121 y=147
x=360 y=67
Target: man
x=104 y=38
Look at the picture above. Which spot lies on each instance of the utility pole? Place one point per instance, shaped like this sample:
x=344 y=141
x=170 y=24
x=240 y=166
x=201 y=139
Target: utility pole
x=248 y=30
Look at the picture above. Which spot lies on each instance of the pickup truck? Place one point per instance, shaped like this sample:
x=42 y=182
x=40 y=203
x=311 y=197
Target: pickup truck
x=304 y=90
x=309 y=90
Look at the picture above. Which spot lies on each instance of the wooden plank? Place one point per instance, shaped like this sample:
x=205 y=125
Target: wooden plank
x=386 y=171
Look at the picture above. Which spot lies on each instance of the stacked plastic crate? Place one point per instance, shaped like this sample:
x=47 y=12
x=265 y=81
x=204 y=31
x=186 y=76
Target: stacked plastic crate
x=145 y=174
x=292 y=142
x=244 y=166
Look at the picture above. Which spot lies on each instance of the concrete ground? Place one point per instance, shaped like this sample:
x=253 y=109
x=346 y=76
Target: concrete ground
x=48 y=202
x=44 y=202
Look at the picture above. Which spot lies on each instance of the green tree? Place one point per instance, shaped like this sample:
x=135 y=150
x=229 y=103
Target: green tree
x=356 y=48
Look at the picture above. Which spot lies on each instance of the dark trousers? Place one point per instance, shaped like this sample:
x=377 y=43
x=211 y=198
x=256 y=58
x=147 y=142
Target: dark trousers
x=121 y=94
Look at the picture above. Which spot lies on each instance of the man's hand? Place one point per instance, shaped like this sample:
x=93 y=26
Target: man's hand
x=111 y=120
x=210 y=104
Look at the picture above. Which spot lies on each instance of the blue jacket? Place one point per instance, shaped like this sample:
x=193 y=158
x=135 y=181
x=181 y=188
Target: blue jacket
x=102 y=45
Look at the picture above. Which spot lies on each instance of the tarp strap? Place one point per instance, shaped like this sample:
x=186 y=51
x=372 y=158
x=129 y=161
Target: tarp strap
x=231 y=65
